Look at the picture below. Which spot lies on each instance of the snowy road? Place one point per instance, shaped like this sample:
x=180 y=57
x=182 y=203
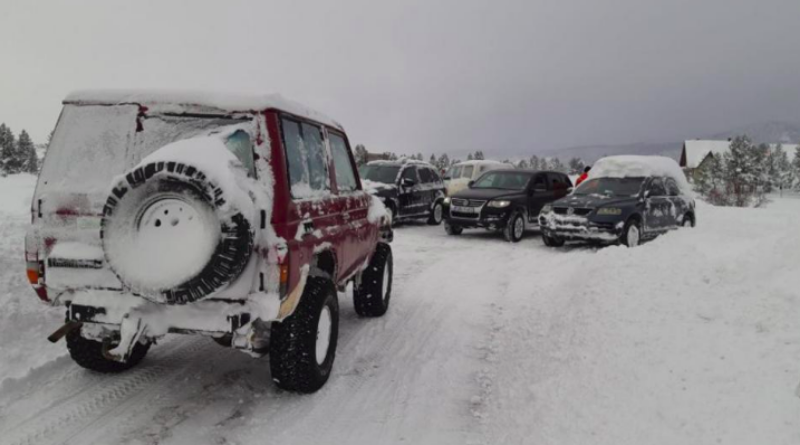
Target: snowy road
x=693 y=339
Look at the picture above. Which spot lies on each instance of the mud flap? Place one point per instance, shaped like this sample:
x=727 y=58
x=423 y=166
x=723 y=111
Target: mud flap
x=131 y=331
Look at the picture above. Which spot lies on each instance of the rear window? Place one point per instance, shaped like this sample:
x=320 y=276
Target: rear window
x=93 y=144
x=386 y=174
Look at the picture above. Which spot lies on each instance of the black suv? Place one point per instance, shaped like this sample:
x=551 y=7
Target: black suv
x=504 y=200
x=409 y=189
x=625 y=210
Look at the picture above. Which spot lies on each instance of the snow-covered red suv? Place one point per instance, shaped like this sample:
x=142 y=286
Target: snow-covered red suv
x=235 y=217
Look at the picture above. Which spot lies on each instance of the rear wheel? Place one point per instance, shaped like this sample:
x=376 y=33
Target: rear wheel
x=515 y=228
x=688 y=220
x=632 y=233
x=89 y=354
x=452 y=229
x=371 y=296
x=303 y=346
x=436 y=214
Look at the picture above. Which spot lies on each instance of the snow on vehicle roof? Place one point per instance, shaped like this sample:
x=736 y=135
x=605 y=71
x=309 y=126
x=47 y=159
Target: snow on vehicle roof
x=183 y=100
x=630 y=166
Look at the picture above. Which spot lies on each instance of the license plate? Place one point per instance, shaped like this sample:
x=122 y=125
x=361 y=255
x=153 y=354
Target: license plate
x=465 y=209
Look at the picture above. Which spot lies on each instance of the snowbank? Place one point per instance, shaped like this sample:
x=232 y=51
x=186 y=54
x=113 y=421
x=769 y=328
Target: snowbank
x=25 y=322
x=630 y=166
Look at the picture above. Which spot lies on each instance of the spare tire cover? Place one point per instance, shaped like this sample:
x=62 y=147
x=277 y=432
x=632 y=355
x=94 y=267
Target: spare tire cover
x=166 y=237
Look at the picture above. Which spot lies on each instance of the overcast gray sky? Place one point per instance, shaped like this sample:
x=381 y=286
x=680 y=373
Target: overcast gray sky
x=505 y=77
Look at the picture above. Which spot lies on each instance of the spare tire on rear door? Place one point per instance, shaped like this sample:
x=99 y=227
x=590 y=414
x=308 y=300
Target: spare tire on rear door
x=169 y=235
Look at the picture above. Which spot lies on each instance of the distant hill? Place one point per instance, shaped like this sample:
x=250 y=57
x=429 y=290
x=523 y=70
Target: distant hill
x=768 y=132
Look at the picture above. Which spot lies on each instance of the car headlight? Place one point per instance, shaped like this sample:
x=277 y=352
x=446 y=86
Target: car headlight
x=499 y=204
x=447 y=200
x=609 y=211
x=546 y=209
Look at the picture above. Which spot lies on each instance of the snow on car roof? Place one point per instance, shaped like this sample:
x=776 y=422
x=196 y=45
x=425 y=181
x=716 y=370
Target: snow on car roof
x=630 y=166
x=183 y=100
x=398 y=162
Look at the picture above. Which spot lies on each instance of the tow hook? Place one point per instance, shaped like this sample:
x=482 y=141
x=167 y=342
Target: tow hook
x=64 y=330
x=131 y=331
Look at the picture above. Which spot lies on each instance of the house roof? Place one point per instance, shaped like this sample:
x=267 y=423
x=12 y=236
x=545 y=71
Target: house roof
x=695 y=151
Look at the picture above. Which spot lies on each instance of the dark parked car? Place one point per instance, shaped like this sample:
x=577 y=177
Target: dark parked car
x=625 y=210
x=504 y=200
x=409 y=189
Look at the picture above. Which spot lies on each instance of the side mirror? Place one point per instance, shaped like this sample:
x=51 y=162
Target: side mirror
x=405 y=182
x=470 y=184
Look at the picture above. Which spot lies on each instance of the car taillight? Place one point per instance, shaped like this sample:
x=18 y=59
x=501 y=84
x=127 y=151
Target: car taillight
x=284 y=279
x=35 y=271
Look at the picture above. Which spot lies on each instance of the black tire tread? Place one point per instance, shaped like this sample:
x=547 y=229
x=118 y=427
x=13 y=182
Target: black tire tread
x=367 y=296
x=293 y=363
x=89 y=354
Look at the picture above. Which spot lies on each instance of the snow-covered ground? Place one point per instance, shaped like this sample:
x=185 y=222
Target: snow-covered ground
x=693 y=338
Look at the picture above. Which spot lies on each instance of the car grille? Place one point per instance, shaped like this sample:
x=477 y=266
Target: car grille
x=578 y=211
x=468 y=202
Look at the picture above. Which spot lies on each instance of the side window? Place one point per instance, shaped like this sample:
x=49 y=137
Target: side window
x=657 y=188
x=455 y=172
x=425 y=175
x=540 y=182
x=345 y=176
x=410 y=172
x=468 y=169
x=557 y=181
x=241 y=146
x=672 y=187
x=306 y=158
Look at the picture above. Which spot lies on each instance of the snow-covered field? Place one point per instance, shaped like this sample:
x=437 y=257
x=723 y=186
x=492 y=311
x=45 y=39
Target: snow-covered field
x=693 y=338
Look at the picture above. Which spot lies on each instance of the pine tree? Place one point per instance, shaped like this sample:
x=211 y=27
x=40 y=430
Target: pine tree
x=469 y=157
x=558 y=166
x=444 y=161
x=479 y=155
x=534 y=163
x=783 y=168
x=523 y=164
x=576 y=166
x=26 y=153
x=433 y=161
x=742 y=170
x=360 y=154
x=796 y=167
x=544 y=164
x=7 y=148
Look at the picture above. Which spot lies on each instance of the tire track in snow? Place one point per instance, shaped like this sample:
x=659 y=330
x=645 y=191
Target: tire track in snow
x=61 y=421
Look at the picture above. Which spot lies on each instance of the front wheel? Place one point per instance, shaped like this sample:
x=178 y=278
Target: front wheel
x=515 y=228
x=303 y=346
x=89 y=354
x=632 y=233
x=452 y=229
x=436 y=214
x=688 y=221
x=551 y=241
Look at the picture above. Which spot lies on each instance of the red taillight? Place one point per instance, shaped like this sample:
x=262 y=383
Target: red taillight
x=284 y=279
x=35 y=272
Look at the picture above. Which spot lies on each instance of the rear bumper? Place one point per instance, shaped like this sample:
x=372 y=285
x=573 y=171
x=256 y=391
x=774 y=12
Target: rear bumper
x=112 y=309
